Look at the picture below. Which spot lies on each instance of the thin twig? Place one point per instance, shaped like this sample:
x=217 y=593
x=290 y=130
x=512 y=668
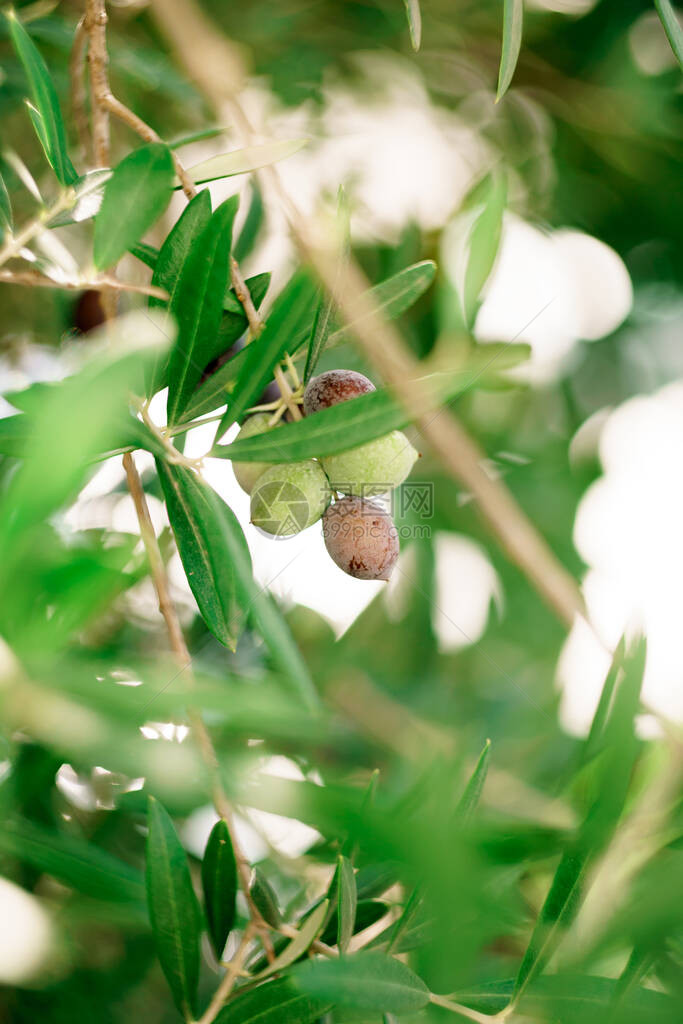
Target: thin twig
x=16 y=242
x=182 y=655
x=462 y=1011
x=231 y=975
x=96 y=27
x=141 y=128
x=103 y=103
x=78 y=91
x=35 y=279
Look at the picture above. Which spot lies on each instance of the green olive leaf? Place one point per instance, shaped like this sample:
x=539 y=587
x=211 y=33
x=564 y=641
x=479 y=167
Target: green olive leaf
x=135 y=196
x=173 y=909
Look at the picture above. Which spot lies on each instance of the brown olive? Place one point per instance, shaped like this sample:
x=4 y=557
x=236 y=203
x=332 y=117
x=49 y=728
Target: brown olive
x=333 y=387
x=361 y=538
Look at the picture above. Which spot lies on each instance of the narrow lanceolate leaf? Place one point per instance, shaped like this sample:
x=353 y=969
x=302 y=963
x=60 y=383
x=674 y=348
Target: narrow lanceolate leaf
x=323 y=316
x=195 y=505
x=176 y=247
x=574 y=999
x=672 y=27
x=251 y=227
x=79 y=864
x=408 y=916
x=173 y=909
x=265 y=899
x=414 y=22
x=616 y=765
x=475 y=785
x=483 y=243
x=513 y=13
x=338 y=428
x=293 y=311
x=363 y=981
x=196 y=514
x=346 y=899
x=241 y=161
x=393 y=296
x=277 y=1002
x=168 y=265
x=147 y=254
x=198 y=305
x=308 y=931
x=219 y=882
x=134 y=198
x=44 y=96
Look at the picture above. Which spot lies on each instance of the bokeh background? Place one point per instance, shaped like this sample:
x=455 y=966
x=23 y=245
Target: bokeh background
x=587 y=434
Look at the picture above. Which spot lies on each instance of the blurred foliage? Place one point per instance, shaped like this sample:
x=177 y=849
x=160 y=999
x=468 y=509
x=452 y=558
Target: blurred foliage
x=391 y=759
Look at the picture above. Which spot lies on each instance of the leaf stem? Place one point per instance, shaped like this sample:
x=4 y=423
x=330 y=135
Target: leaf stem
x=462 y=1011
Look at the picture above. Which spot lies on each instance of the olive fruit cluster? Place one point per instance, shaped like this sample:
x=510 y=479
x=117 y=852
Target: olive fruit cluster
x=359 y=534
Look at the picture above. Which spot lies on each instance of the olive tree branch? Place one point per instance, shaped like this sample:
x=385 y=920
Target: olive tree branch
x=16 y=242
x=94 y=24
x=96 y=21
x=182 y=656
x=206 y=54
x=77 y=81
x=103 y=282
x=231 y=975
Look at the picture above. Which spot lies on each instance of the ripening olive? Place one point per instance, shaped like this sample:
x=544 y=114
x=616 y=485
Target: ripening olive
x=361 y=538
x=288 y=498
x=247 y=473
x=332 y=387
x=372 y=468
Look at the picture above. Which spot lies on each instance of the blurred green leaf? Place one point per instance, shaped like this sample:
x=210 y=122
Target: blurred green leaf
x=513 y=13
x=14 y=433
x=308 y=931
x=292 y=312
x=134 y=198
x=414 y=22
x=196 y=504
x=90 y=407
x=672 y=27
x=363 y=981
x=573 y=999
x=197 y=306
x=197 y=518
x=50 y=125
x=323 y=316
x=173 y=909
x=393 y=296
x=618 y=756
x=276 y=1002
x=404 y=922
x=483 y=242
x=75 y=862
x=241 y=161
x=474 y=788
x=219 y=882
